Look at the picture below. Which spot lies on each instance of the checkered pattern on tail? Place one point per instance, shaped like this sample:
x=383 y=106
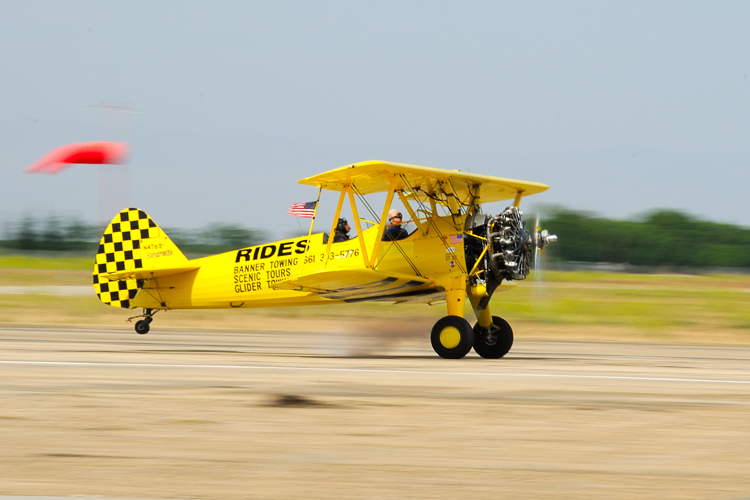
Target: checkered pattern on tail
x=120 y=250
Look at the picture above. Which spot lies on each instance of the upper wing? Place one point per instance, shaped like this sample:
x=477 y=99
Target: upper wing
x=375 y=176
x=358 y=284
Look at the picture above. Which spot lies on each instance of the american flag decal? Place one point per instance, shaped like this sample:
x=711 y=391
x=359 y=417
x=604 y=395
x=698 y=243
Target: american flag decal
x=303 y=209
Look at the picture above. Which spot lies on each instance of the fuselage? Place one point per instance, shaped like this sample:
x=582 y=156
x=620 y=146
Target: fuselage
x=246 y=277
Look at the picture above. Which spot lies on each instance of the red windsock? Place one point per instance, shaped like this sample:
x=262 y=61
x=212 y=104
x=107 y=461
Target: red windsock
x=95 y=153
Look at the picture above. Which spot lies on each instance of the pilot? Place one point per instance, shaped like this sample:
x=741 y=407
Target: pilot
x=342 y=231
x=394 y=231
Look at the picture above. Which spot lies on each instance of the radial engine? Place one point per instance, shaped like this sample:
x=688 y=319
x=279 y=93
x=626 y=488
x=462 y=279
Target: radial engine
x=499 y=248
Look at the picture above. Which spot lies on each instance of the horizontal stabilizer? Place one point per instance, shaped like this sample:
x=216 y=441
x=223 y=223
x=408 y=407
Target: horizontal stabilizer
x=143 y=274
x=354 y=284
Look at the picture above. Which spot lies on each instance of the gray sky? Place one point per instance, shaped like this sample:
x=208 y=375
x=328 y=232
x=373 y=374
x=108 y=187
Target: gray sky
x=620 y=107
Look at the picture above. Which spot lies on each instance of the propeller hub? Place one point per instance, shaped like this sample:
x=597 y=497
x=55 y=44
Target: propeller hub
x=543 y=239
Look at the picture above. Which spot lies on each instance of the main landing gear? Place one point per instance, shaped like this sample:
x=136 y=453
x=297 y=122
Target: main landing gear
x=453 y=337
x=494 y=341
x=144 y=325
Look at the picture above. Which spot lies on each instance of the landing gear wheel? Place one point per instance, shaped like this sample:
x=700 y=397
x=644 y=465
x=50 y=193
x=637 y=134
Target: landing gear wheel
x=142 y=327
x=452 y=337
x=493 y=342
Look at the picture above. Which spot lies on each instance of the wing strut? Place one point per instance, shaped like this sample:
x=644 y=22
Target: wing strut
x=335 y=223
x=358 y=224
x=476 y=199
x=347 y=190
x=383 y=221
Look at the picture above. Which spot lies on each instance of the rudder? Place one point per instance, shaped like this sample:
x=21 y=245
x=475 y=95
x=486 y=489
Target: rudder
x=130 y=242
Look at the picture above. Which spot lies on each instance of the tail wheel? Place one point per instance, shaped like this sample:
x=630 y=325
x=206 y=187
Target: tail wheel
x=142 y=327
x=452 y=337
x=493 y=342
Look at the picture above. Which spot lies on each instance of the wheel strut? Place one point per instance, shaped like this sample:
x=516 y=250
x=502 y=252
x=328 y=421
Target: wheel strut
x=144 y=325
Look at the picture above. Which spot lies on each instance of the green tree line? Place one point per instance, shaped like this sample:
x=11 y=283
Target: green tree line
x=54 y=233
x=660 y=238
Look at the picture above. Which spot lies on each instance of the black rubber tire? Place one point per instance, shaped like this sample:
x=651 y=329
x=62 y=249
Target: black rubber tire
x=453 y=350
x=493 y=348
x=142 y=327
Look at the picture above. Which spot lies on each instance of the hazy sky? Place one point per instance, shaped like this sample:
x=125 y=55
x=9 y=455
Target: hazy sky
x=620 y=107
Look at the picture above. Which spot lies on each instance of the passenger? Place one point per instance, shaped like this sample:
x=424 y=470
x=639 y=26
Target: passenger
x=342 y=231
x=394 y=231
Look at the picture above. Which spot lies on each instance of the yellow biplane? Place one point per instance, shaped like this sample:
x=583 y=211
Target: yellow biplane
x=454 y=253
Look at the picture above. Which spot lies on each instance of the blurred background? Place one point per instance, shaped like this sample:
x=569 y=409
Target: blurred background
x=636 y=115
x=621 y=108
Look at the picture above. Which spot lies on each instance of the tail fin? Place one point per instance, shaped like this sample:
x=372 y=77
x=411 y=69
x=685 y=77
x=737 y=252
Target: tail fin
x=132 y=241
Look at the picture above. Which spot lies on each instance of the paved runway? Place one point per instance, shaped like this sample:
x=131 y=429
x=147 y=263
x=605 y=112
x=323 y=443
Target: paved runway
x=177 y=414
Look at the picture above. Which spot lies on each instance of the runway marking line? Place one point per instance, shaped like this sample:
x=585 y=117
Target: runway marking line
x=376 y=370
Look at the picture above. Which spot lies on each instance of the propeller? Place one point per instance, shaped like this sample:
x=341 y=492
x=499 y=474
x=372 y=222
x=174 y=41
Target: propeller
x=537 y=252
x=540 y=239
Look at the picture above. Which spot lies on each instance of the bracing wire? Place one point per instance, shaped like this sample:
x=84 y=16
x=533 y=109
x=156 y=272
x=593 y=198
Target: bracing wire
x=377 y=218
x=369 y=208
x=434 y=226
